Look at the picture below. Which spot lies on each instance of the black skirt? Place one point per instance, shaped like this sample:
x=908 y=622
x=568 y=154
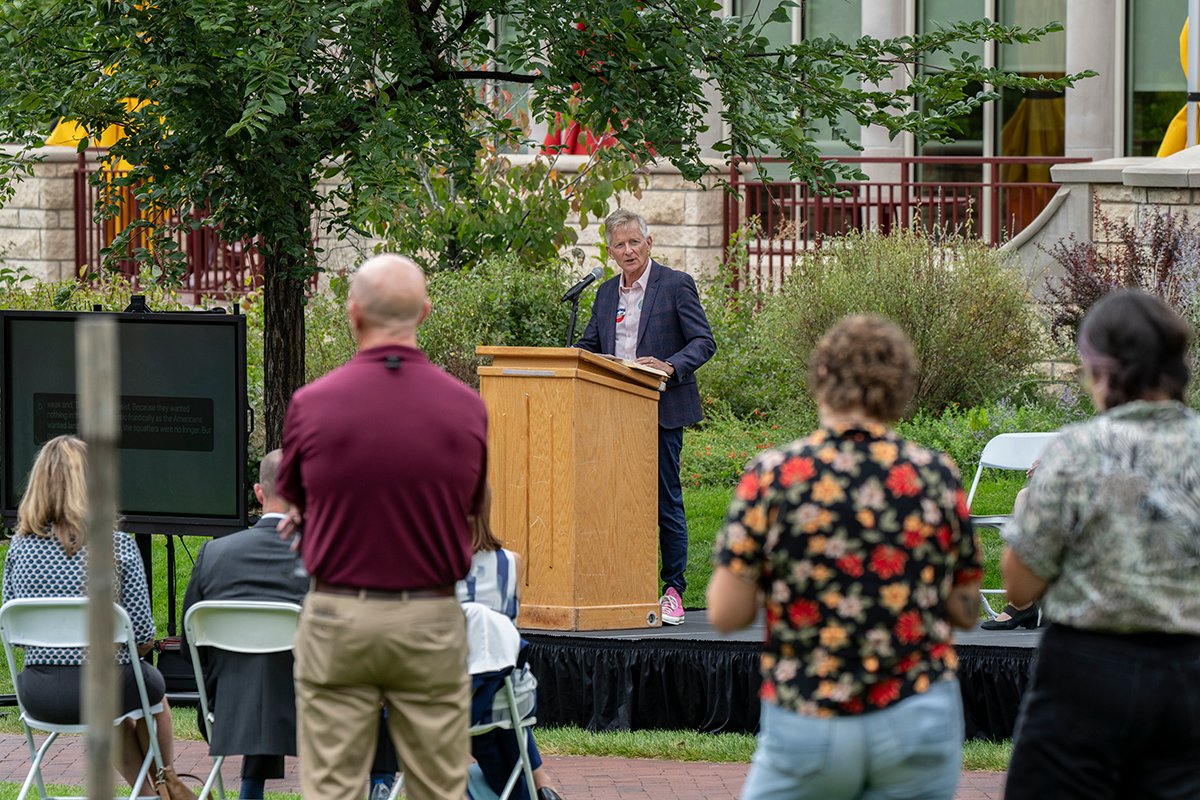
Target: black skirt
x=53 y=692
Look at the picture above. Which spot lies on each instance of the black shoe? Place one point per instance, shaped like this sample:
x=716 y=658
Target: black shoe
x=1025 y=618
x=546 y=793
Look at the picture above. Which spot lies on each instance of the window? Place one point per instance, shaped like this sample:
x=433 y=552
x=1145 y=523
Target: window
x=822 y=18
x=1156 y=83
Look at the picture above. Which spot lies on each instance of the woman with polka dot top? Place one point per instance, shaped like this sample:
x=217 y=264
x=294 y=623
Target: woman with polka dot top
x=48 y=558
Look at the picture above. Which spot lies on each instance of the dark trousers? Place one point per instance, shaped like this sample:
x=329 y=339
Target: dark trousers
x=1109 y=716
x=498 y=751
x=672 y=523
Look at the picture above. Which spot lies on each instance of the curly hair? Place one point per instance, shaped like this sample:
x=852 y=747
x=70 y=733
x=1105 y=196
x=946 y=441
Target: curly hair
x=864 y=363
x=1136 y=344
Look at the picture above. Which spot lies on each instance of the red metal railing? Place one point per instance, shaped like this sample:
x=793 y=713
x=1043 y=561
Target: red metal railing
x=987 y=198
x=214 y=267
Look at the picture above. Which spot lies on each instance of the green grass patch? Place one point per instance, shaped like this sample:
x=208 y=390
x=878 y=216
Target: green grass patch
x=729 y=748
x=705 y=510
x=980 y=755
x=733 y=748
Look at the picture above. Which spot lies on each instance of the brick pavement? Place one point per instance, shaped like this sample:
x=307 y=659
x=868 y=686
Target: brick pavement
x=576 y=777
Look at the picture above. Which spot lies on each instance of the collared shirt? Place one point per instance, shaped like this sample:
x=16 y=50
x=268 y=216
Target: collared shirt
x=388 y=459
x=1112 y=521
x=856 y=537
x=629 y=314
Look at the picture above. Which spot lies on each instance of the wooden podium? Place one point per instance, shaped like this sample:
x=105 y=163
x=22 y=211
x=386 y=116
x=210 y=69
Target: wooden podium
x=573 y=463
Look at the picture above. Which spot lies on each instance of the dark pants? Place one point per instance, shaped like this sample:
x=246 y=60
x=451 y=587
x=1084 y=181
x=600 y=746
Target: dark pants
x=53 y=692
x=672 y=523
x=1109 y=716
x=498 y=751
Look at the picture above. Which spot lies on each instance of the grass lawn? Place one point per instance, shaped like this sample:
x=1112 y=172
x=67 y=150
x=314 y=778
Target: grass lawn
x=705 y=512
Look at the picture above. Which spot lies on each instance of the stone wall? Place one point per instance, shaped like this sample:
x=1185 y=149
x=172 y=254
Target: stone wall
x=37 y=226
x=685 y=218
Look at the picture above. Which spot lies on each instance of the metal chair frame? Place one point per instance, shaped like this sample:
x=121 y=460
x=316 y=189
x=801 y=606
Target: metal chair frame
x=1008 y=451
x=237 y=626
x=61 y=622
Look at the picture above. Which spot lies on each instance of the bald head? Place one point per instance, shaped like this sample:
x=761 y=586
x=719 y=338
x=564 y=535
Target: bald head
x=387 y=301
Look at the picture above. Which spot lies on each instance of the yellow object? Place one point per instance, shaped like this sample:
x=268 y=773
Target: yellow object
x=68 y=133
x=1175 y=139
x=1035 y=129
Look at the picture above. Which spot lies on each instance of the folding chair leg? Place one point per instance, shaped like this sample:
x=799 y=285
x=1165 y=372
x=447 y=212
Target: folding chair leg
x=35 y=769
x=214 y=778
x=143 y=773
x=522 y=732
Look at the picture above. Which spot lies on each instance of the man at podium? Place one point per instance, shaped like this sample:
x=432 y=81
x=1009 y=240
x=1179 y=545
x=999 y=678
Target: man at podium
x=651 y=314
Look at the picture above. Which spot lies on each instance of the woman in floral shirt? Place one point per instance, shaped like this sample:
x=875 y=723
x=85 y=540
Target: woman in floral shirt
x=861 y=546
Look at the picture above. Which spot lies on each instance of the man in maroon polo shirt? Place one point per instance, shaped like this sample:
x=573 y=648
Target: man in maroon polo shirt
x=384 y=459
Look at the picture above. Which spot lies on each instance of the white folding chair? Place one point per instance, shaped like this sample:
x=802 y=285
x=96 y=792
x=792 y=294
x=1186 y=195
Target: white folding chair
x=239 y=626
x=493 y=646
x=1011 y=451
x=62 y=622
x=512 y=702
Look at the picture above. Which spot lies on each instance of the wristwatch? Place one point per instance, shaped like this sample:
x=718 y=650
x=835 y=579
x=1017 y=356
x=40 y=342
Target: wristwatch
x=672 y=366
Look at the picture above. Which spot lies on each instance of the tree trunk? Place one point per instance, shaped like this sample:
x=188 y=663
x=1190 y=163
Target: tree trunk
x=283 y=345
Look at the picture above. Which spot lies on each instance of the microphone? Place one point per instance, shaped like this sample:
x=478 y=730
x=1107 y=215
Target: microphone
x=578 y=288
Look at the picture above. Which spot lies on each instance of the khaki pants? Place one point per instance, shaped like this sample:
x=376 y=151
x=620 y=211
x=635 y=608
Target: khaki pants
x=351 y=654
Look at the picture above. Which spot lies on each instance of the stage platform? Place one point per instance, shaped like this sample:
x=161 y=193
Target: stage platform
x=689 y=677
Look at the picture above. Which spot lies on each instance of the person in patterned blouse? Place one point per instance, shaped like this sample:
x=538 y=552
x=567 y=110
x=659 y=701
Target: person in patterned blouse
x=860 y=545
x=48 y=558
x=1108 y=537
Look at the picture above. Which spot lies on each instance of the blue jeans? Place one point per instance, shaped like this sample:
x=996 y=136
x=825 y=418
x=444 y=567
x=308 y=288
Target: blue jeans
x=672 y=523
x=912 y=749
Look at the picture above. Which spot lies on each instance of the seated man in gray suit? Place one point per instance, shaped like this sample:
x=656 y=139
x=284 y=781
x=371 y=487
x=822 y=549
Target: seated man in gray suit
x=256 y=714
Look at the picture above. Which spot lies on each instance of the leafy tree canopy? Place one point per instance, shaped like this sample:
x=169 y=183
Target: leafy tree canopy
x=246 y=103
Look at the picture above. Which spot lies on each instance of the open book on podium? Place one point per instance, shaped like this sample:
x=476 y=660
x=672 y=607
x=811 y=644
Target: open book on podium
x=573 y=463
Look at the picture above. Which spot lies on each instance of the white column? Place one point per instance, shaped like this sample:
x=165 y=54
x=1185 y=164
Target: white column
x=1091 y=106
x=884 y=19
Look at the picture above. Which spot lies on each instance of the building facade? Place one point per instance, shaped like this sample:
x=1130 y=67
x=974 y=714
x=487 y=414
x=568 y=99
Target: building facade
x=1132 y=44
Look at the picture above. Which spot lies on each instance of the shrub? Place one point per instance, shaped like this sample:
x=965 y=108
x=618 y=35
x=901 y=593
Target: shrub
x=1160 y=254
x=962 y=304
x=962 y=432
x=715 y=452
x=500 y=302
x=747 y=374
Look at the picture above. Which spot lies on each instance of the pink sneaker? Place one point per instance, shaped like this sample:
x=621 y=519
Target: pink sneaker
x=672 y=607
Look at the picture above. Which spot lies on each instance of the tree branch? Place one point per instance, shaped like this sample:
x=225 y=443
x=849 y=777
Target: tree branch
x=469 y=19
x=510 y=77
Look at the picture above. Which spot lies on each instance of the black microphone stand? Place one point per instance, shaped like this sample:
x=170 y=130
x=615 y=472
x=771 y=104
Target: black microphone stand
x=574 y=317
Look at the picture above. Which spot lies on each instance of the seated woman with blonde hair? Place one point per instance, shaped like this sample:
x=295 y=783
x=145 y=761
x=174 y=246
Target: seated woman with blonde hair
x=48 y=558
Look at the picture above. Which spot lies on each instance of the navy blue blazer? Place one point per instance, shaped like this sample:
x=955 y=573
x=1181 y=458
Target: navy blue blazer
x=672 y=328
